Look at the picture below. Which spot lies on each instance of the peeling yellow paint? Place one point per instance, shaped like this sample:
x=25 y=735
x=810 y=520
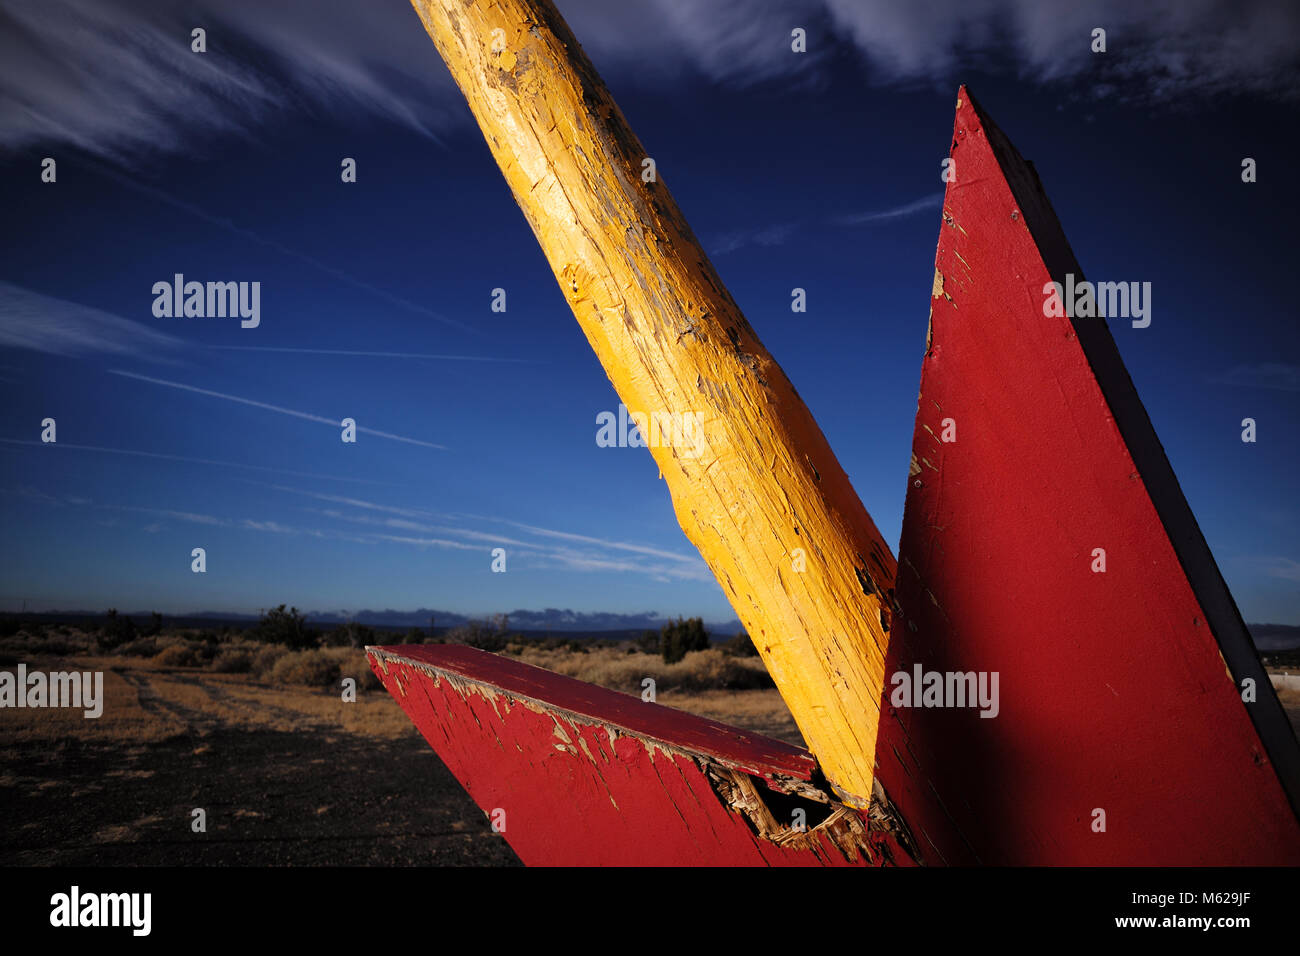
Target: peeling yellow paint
x=937 y=292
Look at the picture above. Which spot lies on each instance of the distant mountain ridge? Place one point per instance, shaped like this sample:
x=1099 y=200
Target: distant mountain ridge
x=1267 y=637
x=550 y=619
x=1275 y=637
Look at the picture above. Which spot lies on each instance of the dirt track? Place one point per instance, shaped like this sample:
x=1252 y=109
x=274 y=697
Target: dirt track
x=302 y=791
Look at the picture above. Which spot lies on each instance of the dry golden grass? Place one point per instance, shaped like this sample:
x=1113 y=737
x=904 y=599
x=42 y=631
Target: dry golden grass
x=374 y=714
x=732 y=690
x=123 y=717
x=146 y=702
x=162 y=687
x=1290 y=700
x=158 y=688
x=615 y=668
x=758 y=711
x=173 y=685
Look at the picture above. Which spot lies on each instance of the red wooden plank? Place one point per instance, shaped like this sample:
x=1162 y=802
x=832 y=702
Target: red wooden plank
x=587 y=776
x=1118 y=690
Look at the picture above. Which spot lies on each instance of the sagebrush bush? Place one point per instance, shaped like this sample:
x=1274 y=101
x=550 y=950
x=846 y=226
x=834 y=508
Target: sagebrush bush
x=265 y=659
x=715 y=670
x=181 y=654
x=307 y=668
x=29 y=645
x=697 y=671
x=356 y=666
x=233 y=660
x=140 y=647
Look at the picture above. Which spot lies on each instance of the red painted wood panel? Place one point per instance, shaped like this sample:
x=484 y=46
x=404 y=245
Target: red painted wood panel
x=1115 y=688
x=587 y=776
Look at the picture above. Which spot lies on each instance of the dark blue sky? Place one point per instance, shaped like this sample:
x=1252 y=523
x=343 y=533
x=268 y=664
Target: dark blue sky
x=822 y=173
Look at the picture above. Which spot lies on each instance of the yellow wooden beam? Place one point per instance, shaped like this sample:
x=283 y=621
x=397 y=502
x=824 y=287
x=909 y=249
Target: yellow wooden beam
x=756 y=487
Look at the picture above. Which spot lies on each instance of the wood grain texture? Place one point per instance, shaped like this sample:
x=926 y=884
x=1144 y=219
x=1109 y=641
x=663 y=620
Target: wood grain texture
x=580 y=775
x=1119 y=690
x=762 y=482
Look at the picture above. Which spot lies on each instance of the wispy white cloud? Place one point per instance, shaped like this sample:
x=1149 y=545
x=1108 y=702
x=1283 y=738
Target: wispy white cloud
x=1156 y=50
x=598 y=554
x=776 y=235
x=422 y=527
x=118 y=78
x=577 y=552
x=272 y=526
x=34 y=494
x=781 y=233
x=1284 y=568
x=42 y=323
x=356 y=502
x=732 y=42
x=430 y=542
x=1268 y=566
x=1278 y=376
x=579 y=561
x=189 y=516
x=601 y=542
x=324 y=267
x=60 y=447
x=306 y=416
x=896 y=212
x=361 y=354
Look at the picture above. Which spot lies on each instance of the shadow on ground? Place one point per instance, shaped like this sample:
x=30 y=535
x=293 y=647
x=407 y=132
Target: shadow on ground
x=271 y=799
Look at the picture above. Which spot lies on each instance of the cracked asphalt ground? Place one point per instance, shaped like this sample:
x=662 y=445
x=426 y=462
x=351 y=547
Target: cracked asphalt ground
x=285 y=776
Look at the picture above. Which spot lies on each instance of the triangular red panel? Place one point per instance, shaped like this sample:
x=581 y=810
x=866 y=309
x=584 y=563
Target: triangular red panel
x=572 y=774
x=1118 y=691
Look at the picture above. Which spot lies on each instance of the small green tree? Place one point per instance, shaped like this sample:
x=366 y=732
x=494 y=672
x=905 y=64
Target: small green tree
x=740 y=646
x=289 y=628
x=349 y=634
x=647 y=643
x=678 y=638
x=118 y=629
x=486 y=636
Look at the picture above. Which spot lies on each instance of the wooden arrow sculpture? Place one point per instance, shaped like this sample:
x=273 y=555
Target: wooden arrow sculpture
x=1117 y=731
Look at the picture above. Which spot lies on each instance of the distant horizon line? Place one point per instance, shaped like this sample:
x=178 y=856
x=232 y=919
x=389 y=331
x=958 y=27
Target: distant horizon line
x=595 y=620
x=632 y=619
